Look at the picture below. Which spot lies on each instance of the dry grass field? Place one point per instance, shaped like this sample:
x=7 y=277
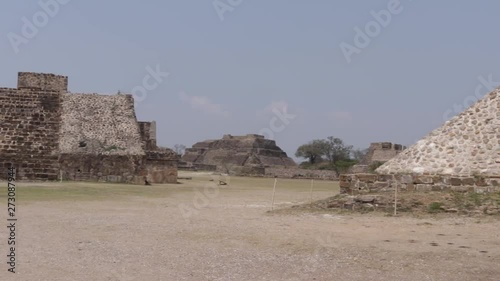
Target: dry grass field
x=198 y=231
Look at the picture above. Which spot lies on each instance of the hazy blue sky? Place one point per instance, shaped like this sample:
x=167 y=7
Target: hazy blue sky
x=226 y=76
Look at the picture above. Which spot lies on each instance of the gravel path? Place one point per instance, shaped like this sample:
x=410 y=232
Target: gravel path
x=230 y=236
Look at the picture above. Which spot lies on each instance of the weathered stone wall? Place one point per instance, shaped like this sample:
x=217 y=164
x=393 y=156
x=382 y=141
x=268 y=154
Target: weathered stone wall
x=47 y=134
x=468 y=144
x=107 y=168
x=196 y=167
x=366 y=183
x=29 y=132
x=296 y=173
x=161 y=166
x=148 y=135
x=382 y=152
x=99 y=124
x=156 y=167
x=359 y=169
x=42 y=81
x=378 y=152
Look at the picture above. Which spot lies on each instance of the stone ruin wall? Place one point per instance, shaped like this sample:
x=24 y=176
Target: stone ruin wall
x=117 y=148
x=29 y=126
x=366 y=183
x=42 y=81
x=155 y=166
x=378 y=152
x=297 y=173
x=382 y=152
x=102 y=124
x=47 y=133
x=148 y=135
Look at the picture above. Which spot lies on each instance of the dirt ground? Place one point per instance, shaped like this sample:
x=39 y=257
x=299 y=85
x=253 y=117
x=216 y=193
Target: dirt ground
x=196 y=231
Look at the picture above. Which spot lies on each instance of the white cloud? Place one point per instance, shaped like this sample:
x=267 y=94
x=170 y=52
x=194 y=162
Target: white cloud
x=204 y=104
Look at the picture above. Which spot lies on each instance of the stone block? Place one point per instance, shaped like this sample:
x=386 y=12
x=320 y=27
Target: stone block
x=344 y=183
x=420 y=179
x=423 y=187
x=406 y=179
x=493 y=182
x=344 y=177
x=480 y=181
x=462 y=188
x=437 y=187
x=379 y=186
x=385 y=178
x=455 y=181
x=367 y=178
x=468 y=181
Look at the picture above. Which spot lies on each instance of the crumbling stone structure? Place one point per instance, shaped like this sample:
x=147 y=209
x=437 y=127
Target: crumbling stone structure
x=49 y=134
x=378 y=153
x=381 y=152
x=296 y=173
x=248 y=155
x=462 y=155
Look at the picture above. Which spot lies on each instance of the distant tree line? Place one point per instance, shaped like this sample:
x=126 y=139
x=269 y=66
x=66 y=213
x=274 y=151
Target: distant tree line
x=329 y=154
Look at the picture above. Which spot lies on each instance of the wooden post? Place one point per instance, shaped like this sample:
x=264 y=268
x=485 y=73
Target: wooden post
x=274 y=192
x=311 y=197
x=396 y=199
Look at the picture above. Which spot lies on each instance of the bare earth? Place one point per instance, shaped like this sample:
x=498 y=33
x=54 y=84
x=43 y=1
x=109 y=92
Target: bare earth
x=191 y=232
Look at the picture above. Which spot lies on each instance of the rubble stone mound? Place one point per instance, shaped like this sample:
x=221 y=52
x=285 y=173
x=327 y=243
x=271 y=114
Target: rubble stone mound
x=468 y=144
x=461 y=156
x=244 y=151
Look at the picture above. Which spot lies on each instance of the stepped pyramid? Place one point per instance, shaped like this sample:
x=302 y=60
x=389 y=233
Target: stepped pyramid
x=468 y=144
x=243 y=151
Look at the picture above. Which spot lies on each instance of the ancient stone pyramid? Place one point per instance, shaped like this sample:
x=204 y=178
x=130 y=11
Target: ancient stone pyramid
x=249 y=150
x=468 y=144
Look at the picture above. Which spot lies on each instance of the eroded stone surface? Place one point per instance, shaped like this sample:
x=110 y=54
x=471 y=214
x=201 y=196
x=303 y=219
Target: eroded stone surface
x=468 y=144
x=95 y=123
x=47 y=133
x=243 y=151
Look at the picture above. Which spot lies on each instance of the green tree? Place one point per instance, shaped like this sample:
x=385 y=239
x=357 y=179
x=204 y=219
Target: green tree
x=179 y=149
x=359 y=154
x=313 y=151
x=336 y=150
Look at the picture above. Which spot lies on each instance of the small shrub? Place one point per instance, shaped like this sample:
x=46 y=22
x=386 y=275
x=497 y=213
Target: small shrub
x=476 y=198
x=435 y=207
x=343 y=166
